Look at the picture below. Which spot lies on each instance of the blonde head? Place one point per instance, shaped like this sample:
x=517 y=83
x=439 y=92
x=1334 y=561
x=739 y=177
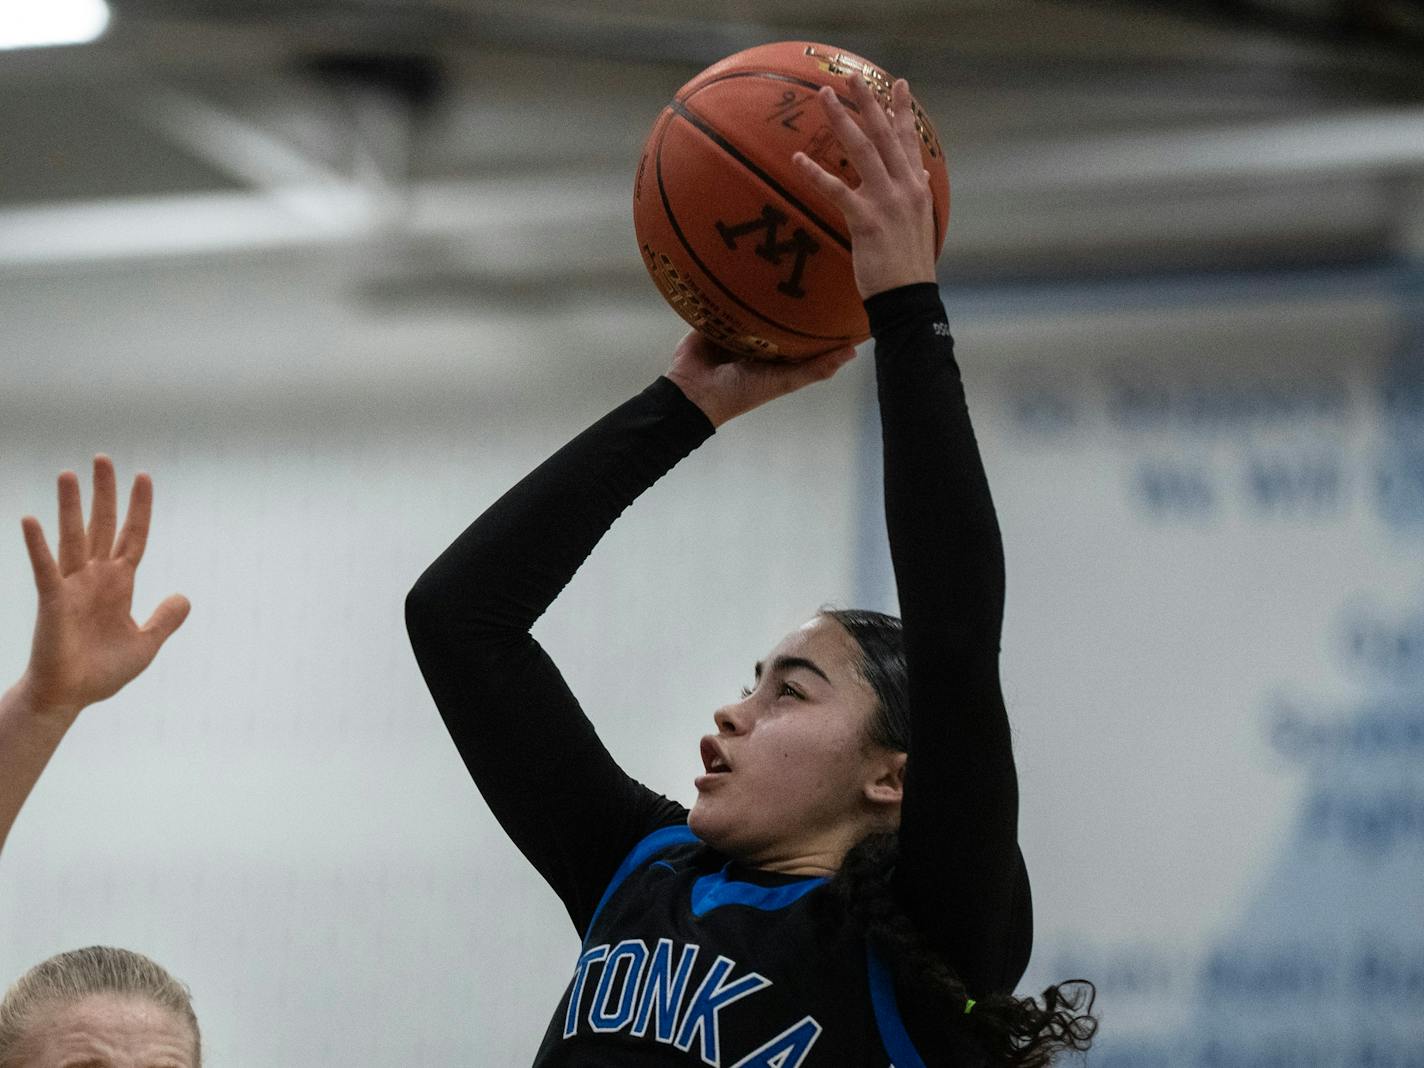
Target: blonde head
x=70 y=978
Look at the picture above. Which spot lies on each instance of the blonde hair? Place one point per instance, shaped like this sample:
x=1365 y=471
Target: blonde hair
x=67 y=978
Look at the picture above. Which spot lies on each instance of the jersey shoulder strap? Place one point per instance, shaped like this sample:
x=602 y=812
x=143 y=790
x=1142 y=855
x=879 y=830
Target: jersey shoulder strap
x=647 y=848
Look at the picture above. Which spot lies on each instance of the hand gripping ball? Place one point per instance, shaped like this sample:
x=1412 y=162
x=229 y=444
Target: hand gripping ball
x=735 y=238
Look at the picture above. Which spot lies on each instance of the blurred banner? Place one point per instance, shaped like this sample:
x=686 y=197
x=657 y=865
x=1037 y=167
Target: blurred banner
x=1212 y=494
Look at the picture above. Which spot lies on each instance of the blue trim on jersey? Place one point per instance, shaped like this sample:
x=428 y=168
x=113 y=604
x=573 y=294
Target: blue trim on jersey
x=677 y=834
x=887 y=1014
x=715 y=890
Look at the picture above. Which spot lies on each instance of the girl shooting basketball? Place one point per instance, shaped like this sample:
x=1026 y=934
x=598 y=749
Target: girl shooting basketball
x=847 y=889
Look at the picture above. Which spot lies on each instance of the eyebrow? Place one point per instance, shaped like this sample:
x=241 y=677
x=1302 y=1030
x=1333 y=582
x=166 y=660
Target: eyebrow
x=789 y=663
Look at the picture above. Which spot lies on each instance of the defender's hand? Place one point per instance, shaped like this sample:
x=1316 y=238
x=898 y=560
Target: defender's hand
x=891 y=212
x=86 y=644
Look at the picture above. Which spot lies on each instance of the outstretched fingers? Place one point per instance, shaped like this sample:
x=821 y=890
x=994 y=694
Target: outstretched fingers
x=166 y=618
x=104 y=511
x=134 y=537
x=47 y=576
x=73 y=545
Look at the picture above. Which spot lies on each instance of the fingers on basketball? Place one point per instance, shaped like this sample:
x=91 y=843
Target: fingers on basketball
x=864 y=154
x=881 y=136
x=831 y=186
x=906 y=130
x=827 y=364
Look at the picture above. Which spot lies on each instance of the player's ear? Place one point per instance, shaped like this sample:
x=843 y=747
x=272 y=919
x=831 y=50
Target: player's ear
x=887 y=787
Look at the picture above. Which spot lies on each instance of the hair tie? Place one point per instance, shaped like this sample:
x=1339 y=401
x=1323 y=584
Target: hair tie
x=968 y=1004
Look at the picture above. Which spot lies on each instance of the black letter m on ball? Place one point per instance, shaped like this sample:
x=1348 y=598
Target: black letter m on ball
x=801 y=244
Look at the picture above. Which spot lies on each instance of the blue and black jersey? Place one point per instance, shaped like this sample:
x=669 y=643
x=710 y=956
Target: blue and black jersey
x=690 y=953
x=687 y=956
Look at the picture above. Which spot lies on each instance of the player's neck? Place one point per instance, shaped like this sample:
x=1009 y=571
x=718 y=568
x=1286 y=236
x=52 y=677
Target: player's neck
x=801 y=866
x=821 y=856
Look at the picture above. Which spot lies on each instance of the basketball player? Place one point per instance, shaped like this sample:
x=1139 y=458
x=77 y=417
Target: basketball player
x=847 y=889
x=86 y=646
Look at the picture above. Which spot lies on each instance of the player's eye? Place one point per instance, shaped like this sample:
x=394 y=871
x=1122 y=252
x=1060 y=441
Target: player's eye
x=746 y=692
x=787 y=690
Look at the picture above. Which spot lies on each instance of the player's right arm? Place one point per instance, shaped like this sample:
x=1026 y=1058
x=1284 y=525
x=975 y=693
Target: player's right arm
x=534 y=755
x=532 y=752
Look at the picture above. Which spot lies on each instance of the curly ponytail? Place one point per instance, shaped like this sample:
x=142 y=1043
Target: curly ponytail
x=1021 y=1032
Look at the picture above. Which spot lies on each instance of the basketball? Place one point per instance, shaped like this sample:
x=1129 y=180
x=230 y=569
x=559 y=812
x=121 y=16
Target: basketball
x=736 y=239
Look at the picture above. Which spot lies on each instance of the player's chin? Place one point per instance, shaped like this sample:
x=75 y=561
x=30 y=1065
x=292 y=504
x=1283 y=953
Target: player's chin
x=710 y=821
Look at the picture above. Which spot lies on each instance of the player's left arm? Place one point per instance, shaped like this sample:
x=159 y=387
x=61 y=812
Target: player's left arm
x=960 y=875
x=86 y=645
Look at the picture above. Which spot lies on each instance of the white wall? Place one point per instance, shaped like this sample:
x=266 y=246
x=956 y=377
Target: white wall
x=1214 y=526
x=274 y=810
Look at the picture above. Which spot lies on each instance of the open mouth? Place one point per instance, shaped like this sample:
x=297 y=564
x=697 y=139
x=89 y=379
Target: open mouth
x=713 y=759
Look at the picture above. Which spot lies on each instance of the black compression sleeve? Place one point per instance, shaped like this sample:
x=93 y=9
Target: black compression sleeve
x=571 y=810
x=960 y=876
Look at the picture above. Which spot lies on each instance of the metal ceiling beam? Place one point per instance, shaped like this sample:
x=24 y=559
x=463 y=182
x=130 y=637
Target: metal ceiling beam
x=1382 y=140
x=1078 y=179
x=297 y=216
x=1395 y=27
x=905 y=37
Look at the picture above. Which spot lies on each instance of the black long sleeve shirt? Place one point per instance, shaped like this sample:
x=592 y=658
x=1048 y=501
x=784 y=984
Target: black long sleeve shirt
x=575 y=814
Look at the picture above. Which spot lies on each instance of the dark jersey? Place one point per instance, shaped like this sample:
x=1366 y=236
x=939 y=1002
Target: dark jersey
x=687 y=956
x=689 y=953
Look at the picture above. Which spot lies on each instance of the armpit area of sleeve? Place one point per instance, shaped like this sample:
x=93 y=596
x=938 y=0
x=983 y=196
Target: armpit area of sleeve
x=898 y=307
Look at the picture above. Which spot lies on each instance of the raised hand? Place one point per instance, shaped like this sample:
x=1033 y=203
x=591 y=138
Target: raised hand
x=86 y=644
x=725 y=385
x=891 y=220
x=891 y=213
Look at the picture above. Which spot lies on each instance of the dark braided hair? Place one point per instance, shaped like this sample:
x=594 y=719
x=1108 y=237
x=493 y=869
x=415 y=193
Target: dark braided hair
x=1022 y=1032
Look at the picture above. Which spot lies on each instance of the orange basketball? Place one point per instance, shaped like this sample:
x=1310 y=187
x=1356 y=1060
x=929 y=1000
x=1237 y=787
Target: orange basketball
x=737 y=240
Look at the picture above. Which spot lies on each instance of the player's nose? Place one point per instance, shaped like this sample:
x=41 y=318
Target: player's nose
x=731 y=719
